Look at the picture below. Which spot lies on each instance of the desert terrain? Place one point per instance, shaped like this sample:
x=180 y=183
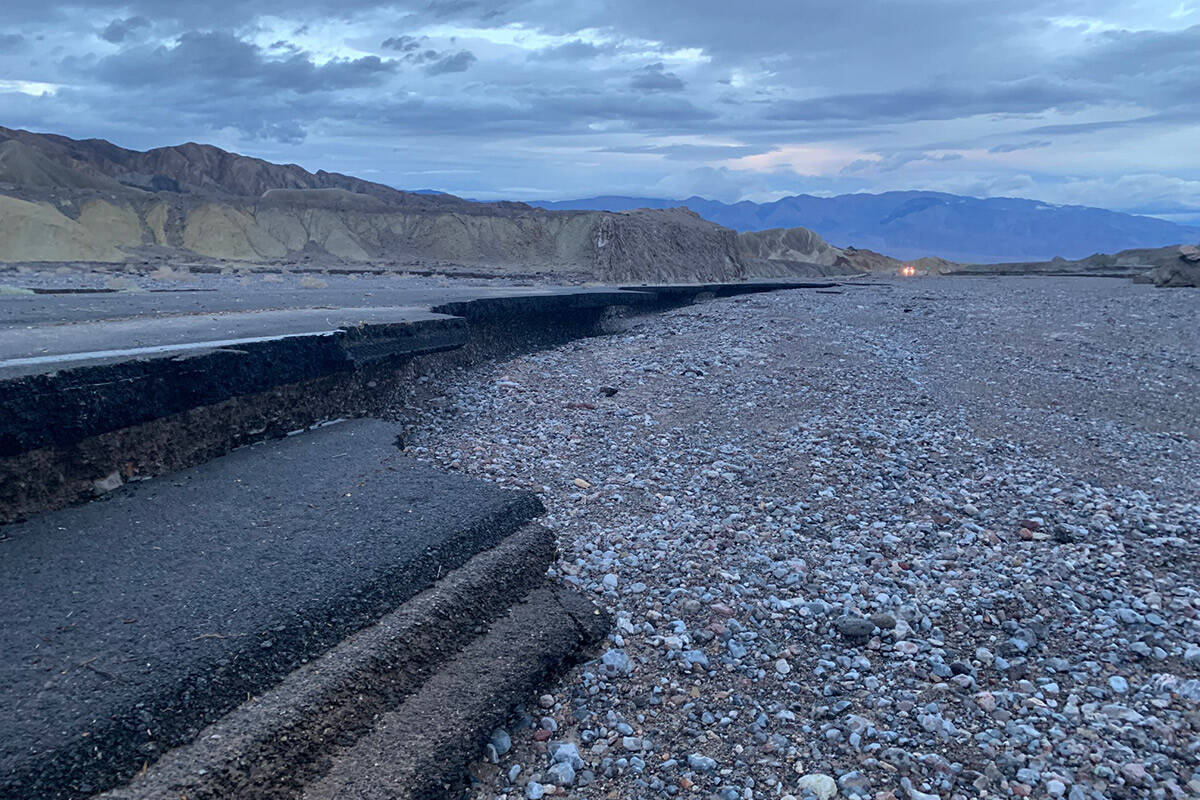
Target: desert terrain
x=914 y=539
x=839 y=525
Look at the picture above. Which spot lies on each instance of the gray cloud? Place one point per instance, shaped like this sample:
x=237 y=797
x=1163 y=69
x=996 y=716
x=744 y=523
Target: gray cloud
x=456 y=62
x=574 y=50
x=204 y=58
x=1013 y=148
x=895 y=161
x=655 y=78
x=119 y=30
x=1018 y=97
x=691 y=152
x=1143 y=52
x=11 y=41
x=401 y=44
x=452 y=8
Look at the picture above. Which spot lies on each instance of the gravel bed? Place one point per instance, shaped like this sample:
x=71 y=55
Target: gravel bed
x=924 y=539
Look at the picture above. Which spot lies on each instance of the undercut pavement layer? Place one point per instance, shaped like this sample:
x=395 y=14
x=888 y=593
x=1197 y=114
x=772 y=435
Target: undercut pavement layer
x=305 y=730
x=419 y=751
x=132 y=622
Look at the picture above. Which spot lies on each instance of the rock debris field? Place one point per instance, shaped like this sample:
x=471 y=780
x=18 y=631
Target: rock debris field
x=924 y=539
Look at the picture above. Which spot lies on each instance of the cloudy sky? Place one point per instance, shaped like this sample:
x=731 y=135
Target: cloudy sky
x=1094 y=102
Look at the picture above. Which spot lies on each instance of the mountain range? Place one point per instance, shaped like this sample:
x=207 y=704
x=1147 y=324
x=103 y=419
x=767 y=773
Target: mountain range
x=90 y=201
x=908 y=225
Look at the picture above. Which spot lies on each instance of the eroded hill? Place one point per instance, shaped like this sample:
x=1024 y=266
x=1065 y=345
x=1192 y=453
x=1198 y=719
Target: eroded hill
x=65 y=200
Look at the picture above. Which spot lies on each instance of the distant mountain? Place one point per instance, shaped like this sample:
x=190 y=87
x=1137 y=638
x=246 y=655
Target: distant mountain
x=909 y=225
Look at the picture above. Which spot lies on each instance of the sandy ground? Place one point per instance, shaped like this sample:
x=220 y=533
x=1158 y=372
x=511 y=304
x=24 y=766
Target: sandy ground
x=928 y=538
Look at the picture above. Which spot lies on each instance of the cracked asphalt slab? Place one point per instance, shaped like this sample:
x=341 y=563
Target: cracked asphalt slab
x=133 y=621
x=926 y=538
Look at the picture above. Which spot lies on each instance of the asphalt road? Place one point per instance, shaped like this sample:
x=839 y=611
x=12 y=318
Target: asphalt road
x=32 y=349
x=134 y=620
x=212 y=308
x=33 y=325
x=220 y=294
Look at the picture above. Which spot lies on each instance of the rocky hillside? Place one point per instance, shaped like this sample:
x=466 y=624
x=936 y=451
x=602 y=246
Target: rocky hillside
x=773 y=252
x=64 y=200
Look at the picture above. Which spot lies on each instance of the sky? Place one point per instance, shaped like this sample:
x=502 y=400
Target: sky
x=1090 y=102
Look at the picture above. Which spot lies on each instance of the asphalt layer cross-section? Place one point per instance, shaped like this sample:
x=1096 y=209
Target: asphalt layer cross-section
x=133 y=621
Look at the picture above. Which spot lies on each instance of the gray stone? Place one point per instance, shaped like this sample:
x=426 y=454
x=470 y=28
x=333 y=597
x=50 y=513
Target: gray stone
x=616 y=662
x=561 y=774
x=501 y=742
x=566 y=752
x=854 y=628
x=883 y=621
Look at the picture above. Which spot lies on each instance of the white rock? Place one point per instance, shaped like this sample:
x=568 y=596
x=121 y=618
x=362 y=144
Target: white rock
x=820 y=784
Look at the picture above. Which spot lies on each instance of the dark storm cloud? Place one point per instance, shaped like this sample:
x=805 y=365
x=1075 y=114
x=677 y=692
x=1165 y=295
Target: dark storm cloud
x=119 y=30
x=201 y=58
x=655 y=78
x=456 y=62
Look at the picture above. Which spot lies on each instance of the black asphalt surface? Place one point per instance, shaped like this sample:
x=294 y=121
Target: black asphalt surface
x=219 y=294
x=133 y=621
x=53 y=347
